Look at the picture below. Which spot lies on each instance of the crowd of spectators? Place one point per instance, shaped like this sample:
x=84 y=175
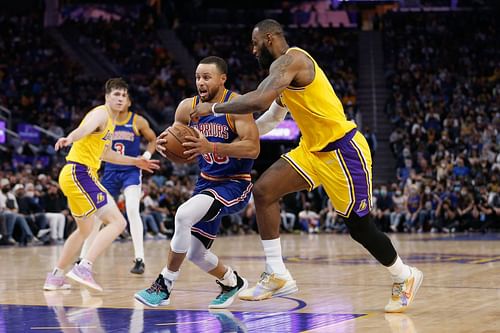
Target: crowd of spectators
x=444 y=106
x=444 y=84
x=156 y=82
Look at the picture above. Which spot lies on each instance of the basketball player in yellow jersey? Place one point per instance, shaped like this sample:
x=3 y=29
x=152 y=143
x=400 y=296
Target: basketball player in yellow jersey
x=331 y=153
x=86 y=196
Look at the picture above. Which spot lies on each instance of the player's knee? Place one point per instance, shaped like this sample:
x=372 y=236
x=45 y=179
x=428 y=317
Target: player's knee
x=183 y=218
x=359 y=227
x=263 y=193
x=122 y=224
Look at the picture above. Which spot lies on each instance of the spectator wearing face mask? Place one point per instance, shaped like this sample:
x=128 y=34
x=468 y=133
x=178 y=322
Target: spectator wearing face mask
x=432 y=200
x=465 y=207
x=460 y=170
x=309 y=219
x=383 y=210
x=398 y=214
x=54 y=205
x=31 y=210
x=413 y=207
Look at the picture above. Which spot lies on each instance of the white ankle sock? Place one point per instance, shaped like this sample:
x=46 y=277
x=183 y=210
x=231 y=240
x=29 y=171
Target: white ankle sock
x=399 y=271
x=274 y=261
x=229 y=279
x=85 y=263
x=169 y=277
x=58 y=272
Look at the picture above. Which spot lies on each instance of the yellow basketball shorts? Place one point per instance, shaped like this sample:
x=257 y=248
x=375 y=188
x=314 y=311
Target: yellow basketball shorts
x=81 y=186
x=343 y=168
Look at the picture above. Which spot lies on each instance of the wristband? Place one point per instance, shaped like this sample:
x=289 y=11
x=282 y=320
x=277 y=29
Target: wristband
x=213 y=110
x=146 y=155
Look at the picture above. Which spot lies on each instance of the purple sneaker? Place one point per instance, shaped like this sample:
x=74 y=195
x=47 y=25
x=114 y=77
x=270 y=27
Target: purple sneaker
x=53 y=282
x=84 y=276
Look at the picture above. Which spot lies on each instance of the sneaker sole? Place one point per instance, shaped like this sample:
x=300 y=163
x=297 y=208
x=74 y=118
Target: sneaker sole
x=415 y=289
x=54 y=288
x=286 y=290
x=230 y=300
x=290 y=289
x=76 y=278
x=137 y=272
x=143 y=301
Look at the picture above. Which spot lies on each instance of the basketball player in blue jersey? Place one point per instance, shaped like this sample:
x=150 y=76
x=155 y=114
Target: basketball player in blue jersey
x=331 y=153
x=129 y=128
x=223 y=187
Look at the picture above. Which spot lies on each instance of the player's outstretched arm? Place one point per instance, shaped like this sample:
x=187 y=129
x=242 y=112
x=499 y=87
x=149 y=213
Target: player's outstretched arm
x=271 y=118
x=93 y=121
x=112 y=156
x=281 y=74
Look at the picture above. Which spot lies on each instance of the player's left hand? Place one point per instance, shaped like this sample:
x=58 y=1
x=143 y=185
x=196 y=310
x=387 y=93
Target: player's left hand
x=148 y=165
x=197 y=145
x=62 y=142
x=200 y=110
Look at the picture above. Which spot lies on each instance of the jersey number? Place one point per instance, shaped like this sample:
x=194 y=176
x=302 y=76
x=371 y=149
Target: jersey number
x=211 y=158
x=119 y=148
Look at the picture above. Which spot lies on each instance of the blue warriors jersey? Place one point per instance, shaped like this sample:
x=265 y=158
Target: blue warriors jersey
x=126 y=141
x=220 y=129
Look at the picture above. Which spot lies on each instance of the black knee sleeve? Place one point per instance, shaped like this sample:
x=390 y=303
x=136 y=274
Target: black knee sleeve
x=364 y=231
x=214 y=210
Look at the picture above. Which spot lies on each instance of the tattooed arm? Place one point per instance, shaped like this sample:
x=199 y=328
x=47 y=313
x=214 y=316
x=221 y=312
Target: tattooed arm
x=282 y=72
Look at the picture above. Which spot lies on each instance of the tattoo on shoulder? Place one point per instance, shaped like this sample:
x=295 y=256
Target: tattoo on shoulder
x=277 y=77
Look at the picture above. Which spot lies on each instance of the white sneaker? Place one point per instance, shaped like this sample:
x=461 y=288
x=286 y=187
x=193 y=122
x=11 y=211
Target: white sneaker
x=404 y=293
x=270 y=285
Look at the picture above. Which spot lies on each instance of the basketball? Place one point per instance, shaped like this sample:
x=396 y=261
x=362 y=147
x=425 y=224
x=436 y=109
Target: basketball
x=174 y=150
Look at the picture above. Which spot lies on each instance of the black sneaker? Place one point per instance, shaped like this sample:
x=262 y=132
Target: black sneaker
x=228 y=294
x=138 y=266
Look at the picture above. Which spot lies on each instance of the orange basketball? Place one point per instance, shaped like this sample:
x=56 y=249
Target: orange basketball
x=174 y=150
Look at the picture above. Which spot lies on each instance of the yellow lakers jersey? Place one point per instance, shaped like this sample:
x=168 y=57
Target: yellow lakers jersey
x=317 y=110
x=88 y=150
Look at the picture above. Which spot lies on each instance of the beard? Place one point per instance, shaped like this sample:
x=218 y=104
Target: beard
x=265 y=59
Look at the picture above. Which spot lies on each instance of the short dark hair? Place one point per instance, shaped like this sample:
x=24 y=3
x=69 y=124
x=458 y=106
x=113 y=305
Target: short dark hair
x=217 y=61
x=116 y=83
x=270 y=26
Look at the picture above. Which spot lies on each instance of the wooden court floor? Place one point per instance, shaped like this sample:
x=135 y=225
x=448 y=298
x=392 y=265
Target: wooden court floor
x=341 y=289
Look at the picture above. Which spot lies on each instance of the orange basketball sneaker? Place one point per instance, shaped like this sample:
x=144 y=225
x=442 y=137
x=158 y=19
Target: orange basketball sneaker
x=270 y=285
x=403 y=293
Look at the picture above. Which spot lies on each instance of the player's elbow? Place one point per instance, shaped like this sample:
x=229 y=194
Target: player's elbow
x=254 y=151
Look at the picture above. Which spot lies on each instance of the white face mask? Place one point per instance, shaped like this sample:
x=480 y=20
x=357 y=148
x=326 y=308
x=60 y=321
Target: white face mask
x=398 y=193
x=427 y=191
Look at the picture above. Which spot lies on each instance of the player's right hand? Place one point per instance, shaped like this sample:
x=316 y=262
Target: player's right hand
x=148 y=165
x=61 y=143
x=160 y=141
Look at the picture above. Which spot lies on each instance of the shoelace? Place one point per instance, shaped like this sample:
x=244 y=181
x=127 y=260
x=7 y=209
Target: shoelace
x=264 y=278
x=397 y=288
x=156 y=287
